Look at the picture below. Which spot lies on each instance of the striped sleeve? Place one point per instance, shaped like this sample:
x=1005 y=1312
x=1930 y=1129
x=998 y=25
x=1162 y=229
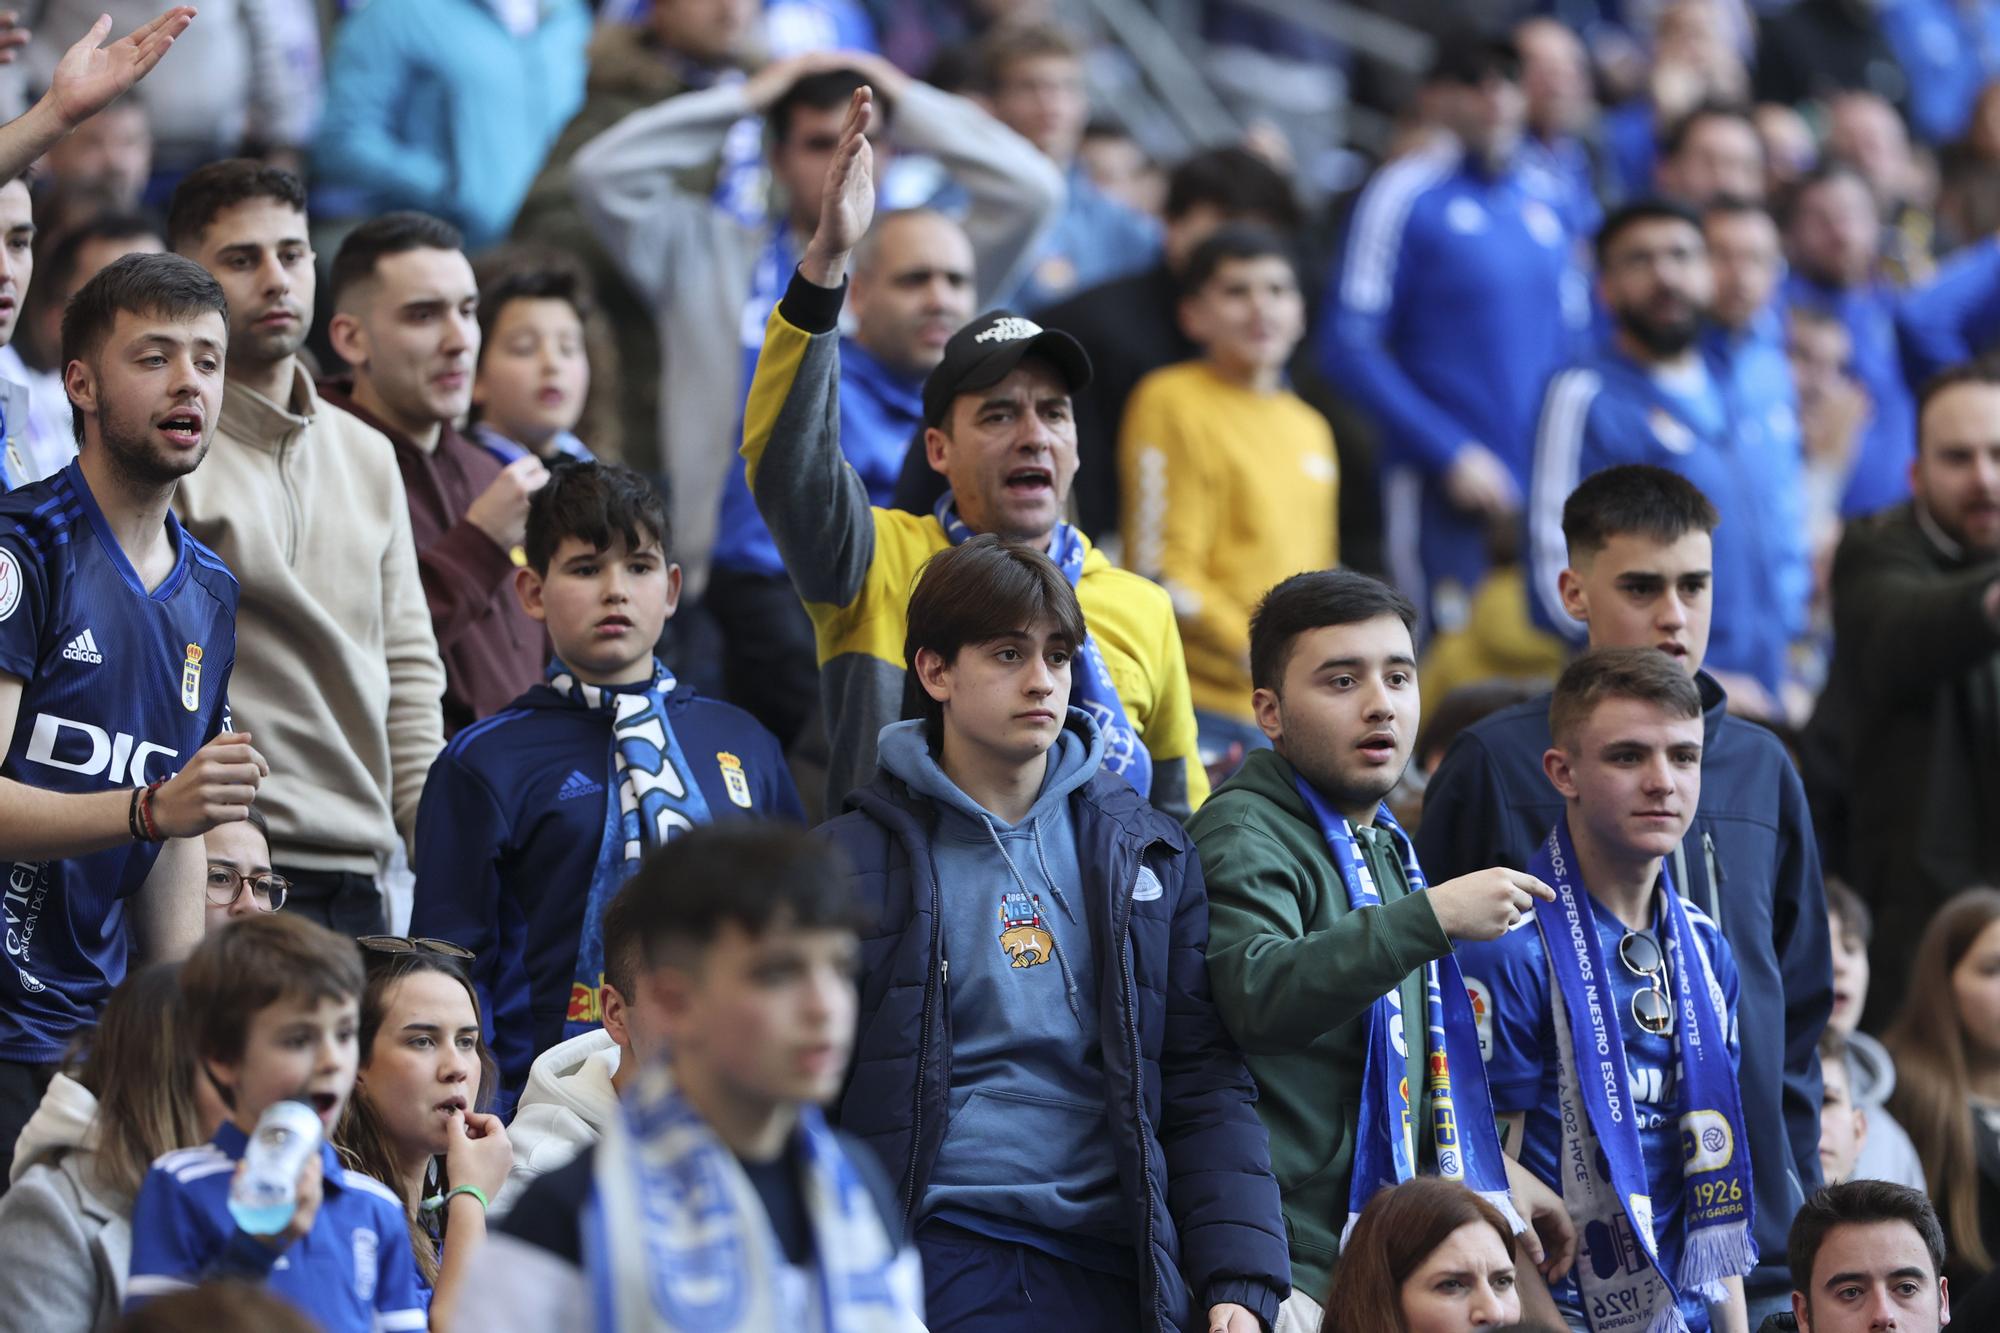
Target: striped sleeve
x=1559 y=442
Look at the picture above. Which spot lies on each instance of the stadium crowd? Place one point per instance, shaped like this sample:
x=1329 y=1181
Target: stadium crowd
x=560 y=561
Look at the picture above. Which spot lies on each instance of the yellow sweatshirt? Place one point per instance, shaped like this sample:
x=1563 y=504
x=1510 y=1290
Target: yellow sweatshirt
x=1226 y=492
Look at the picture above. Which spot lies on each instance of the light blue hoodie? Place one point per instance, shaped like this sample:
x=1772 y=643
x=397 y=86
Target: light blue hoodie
x=1026 y=1067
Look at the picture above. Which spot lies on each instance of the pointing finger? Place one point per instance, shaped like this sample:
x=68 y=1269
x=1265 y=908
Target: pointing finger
x=1534 y=886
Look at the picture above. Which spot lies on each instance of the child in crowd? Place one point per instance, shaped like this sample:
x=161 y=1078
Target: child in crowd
x=1610 y=1015
x=533 y=373
x=1843 y=1124
x=420 y=1096
x=1886 y=1153
x=1071 y=1127
x=532 y=818
x=747 y=951
x=1229 y=478
x=80 y=1161
x=574 y=1087
x=272 y=1007
x=240 y=879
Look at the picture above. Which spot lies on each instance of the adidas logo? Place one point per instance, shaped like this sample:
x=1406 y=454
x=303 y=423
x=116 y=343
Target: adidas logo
x=83 y=648
x=576 y=785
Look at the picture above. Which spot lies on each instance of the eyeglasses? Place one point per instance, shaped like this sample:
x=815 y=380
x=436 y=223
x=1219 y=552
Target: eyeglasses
x=1652 y=1010
x=407 y=944
x=226 y=885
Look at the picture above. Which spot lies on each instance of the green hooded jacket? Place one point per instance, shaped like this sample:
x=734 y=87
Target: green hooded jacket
x=1294 y=972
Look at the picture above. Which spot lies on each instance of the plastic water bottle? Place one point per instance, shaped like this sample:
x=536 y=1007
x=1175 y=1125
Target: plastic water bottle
x=263 y=1198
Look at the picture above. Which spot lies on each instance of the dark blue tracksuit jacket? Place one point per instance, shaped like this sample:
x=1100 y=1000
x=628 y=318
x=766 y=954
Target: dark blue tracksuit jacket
x=1748 y=860
x=508 y=833
x=1192 y=1155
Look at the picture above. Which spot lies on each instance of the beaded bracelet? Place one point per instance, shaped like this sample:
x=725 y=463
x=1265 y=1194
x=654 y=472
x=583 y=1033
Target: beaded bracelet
x=144 y=804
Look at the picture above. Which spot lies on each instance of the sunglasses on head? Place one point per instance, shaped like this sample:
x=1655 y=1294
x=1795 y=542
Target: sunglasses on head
x=1652 y=1009
x=408 y=944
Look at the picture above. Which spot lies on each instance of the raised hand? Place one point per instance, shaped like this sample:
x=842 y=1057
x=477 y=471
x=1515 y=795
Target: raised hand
x=847 y=201
x=92 y=75
x=13 y=36
x=216 y=787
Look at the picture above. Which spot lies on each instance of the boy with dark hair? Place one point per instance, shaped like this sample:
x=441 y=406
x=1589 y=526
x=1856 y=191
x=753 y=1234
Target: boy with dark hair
x=1608 y=1021
x=1870 y=1255
x=117 y=639
x=532 y=374
x=747 y=954
x=1230 y=479
x=533 y=818
x=273 y=1004
x=1640 y=574
x=1326 y=943
x=405 y=319
x=1069 y=1125
x=341 y=670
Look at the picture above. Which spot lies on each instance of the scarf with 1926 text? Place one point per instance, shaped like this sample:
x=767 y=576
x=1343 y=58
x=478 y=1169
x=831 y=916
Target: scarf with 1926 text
x=1604 y=1184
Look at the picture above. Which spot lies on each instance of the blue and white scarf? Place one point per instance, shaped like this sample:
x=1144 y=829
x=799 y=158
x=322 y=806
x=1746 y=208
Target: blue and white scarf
x=1604 y=1184
x=1091 y=689
x=1462 y=1125
x=677 y=1240
x=655 y=797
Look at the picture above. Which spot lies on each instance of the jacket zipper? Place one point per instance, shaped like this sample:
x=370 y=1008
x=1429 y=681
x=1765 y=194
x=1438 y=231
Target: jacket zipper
x=1714 y=877
x=924 y=1046
x=291 y=505
x=1138 y=1088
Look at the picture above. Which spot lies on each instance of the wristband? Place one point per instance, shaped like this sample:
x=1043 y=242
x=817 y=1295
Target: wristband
x=444 y=1200
x=144 y=804
x=132 y=823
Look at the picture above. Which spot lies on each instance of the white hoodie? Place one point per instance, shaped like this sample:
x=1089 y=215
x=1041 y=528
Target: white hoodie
x=81 y=1240
x=568 y=1101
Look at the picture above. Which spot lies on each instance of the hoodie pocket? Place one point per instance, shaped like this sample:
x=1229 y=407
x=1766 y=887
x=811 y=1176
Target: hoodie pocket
x=1009 y=1142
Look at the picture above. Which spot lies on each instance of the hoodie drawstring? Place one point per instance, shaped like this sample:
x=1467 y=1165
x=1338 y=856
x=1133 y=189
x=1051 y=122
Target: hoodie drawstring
x=1055 y=942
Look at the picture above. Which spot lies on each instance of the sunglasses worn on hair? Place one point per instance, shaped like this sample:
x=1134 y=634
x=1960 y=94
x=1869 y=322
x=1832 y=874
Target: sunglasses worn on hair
x=1652 y=1010
x=408 y=944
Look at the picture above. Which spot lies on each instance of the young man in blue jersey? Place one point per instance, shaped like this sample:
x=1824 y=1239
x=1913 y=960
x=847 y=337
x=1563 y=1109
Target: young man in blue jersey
x=273 y=1003
x=117 y=637
x=532 y=818
x=1607 y=1018
x=1641 y=568
x=1654 y=395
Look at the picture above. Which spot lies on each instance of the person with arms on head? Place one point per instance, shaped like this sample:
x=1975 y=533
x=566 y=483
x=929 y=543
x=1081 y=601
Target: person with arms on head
x=532 y=375
x=271 y=1011
x=117 y=639
x=1325 y=942
x=913 y=289
x=1886 y=1153
x=1641 y=572
x=534 y=817
x=1230 y=480
x=1872 y=1256
x=419 y=1120
x=1615 y=1082
x=129 y=1099
x=406 y=322
x=998 y=425
x=748 y=949
x=648 y=185
x=1456 y=302
x=1066 y=1117
x=341 y=675
x=1425 y=1256
x=1654 y=395
x=1917 y=733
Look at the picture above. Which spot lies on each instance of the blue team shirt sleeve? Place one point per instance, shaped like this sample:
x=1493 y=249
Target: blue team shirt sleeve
x=402 y=1303
x=779 y=797
x=24 y=599
x=1516 y=981
x=1957 y=313
x=174 y=1243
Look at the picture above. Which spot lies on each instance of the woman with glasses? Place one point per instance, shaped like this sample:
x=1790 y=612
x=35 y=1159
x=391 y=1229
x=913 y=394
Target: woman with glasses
x=417 y=1121
x=240 y=879
x=1608 y=1017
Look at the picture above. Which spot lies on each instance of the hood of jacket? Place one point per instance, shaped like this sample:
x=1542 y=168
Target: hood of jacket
x=60 y=1124
x=1077 y=754
x=1873 y=1070
x=575 y=1075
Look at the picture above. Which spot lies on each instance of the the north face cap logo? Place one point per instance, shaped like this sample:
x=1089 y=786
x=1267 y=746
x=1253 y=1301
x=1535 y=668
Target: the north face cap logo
x=1011 y=329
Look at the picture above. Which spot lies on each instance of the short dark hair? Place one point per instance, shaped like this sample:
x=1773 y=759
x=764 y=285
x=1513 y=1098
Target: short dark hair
x=529 y=275
x=598 y=502
x=255 y=818
x=1235 y=241
x=1637 y=212
x=253 y=963
x=1828 y=170
x=1315 y=600
x=58 y=266
x=1855 y=918
x=164 y=285
x=1858 y=1203
x=207 y=190
x=822 y=90
x=378 y=238
x=1677 y=134
x=976 y=592
x=754 y=876
x=1645 y=674
x=1634 y=500
x=620 y=931
x=1983 y=370
x=1236 y=183
x=1733 y=206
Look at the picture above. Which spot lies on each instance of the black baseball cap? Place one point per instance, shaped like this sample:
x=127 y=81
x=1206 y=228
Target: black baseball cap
x=988 y=349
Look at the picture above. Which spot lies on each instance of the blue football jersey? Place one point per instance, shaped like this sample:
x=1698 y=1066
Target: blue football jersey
x=122 y=687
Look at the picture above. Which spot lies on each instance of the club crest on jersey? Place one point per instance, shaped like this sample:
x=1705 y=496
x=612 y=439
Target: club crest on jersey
x=734 y=780
x=10 y=583
x=191 y=679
